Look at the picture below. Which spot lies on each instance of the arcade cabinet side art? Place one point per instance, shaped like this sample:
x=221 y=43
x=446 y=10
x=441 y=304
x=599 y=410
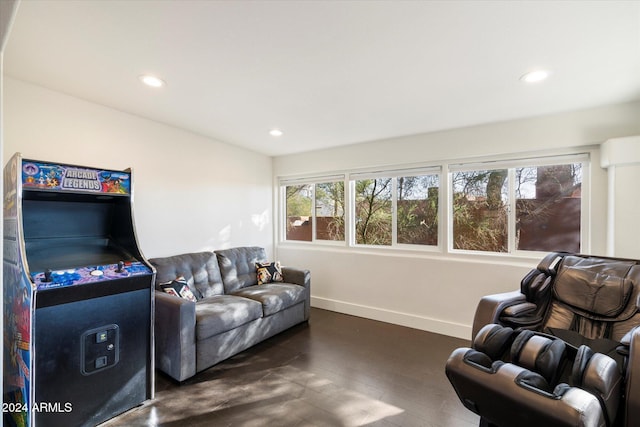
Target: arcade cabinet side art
x=17 y=294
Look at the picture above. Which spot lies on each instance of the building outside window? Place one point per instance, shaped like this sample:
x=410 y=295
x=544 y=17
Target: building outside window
x=548 y=207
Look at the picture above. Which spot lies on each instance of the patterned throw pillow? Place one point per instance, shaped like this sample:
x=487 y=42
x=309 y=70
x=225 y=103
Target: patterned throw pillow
x=269 y=272
x=178 y=288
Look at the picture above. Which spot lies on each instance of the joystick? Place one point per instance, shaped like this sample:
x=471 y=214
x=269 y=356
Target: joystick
x=120 y=268
x=47 y=275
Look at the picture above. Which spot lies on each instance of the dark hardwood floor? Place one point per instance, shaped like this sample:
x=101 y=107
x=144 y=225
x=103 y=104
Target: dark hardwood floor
x=337 y=370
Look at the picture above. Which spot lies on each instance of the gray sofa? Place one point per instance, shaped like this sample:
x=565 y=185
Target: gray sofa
x=232 y=313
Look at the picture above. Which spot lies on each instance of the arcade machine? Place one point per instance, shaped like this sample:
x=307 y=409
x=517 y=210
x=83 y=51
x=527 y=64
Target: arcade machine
x=78 y=300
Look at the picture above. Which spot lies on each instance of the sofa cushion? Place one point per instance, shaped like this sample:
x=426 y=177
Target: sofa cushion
x=238 y=266
x=274 y=297
x=268 y=272
x=221 y=313
x=199 y=269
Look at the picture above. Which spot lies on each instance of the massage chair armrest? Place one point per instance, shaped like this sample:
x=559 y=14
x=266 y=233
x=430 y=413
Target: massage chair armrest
x=491 y=307
x=632 y=378
x=625 y=342
x=175 y=342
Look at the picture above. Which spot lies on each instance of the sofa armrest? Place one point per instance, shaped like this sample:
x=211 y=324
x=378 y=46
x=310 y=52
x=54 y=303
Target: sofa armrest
x=175 y=342
x=296 y=276
x=303 y=278
x=490 y=307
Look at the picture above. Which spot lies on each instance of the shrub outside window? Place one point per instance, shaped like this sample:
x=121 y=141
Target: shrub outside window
x=418 y=210
x=480 y=203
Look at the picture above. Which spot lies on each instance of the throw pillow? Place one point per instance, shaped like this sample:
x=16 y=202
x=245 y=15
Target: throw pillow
x=268 y=272
x=178 y=288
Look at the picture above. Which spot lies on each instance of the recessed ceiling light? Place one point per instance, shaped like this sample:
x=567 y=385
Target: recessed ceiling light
x=535 y=76
x=152 y=81
x=275 y=132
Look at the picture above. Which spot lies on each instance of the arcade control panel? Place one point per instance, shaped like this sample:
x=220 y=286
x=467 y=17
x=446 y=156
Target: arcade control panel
x=92 y=274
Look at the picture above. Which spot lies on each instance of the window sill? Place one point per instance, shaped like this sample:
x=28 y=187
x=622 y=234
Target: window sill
x=528 y=259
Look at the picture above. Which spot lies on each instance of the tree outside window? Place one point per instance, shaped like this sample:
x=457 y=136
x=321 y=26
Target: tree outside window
x=373 y=211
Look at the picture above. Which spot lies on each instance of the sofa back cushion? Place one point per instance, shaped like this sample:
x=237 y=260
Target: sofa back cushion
x=238 y=266
x=199 y=269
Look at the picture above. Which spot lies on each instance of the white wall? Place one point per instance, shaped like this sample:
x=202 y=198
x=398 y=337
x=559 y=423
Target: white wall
x=191 y=193
x=621 y=158
x=439 y=292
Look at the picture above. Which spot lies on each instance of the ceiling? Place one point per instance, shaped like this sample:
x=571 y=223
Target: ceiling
x=329 y=73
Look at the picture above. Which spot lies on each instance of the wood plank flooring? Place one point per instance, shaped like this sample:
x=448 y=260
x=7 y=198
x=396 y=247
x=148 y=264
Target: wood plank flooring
x=337 y=370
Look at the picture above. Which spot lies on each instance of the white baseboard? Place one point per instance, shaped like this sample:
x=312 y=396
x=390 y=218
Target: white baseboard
x=397 y=318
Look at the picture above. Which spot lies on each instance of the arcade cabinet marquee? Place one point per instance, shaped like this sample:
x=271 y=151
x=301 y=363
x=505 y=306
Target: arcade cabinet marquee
x=78 y=297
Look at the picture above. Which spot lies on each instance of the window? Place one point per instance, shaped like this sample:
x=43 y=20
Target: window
x=522 y=208
x=501 y=206
x=325 y=222
x=399 y=209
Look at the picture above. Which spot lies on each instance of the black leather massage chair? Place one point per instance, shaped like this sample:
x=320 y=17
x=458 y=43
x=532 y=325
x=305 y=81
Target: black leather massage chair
x=562 y=351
